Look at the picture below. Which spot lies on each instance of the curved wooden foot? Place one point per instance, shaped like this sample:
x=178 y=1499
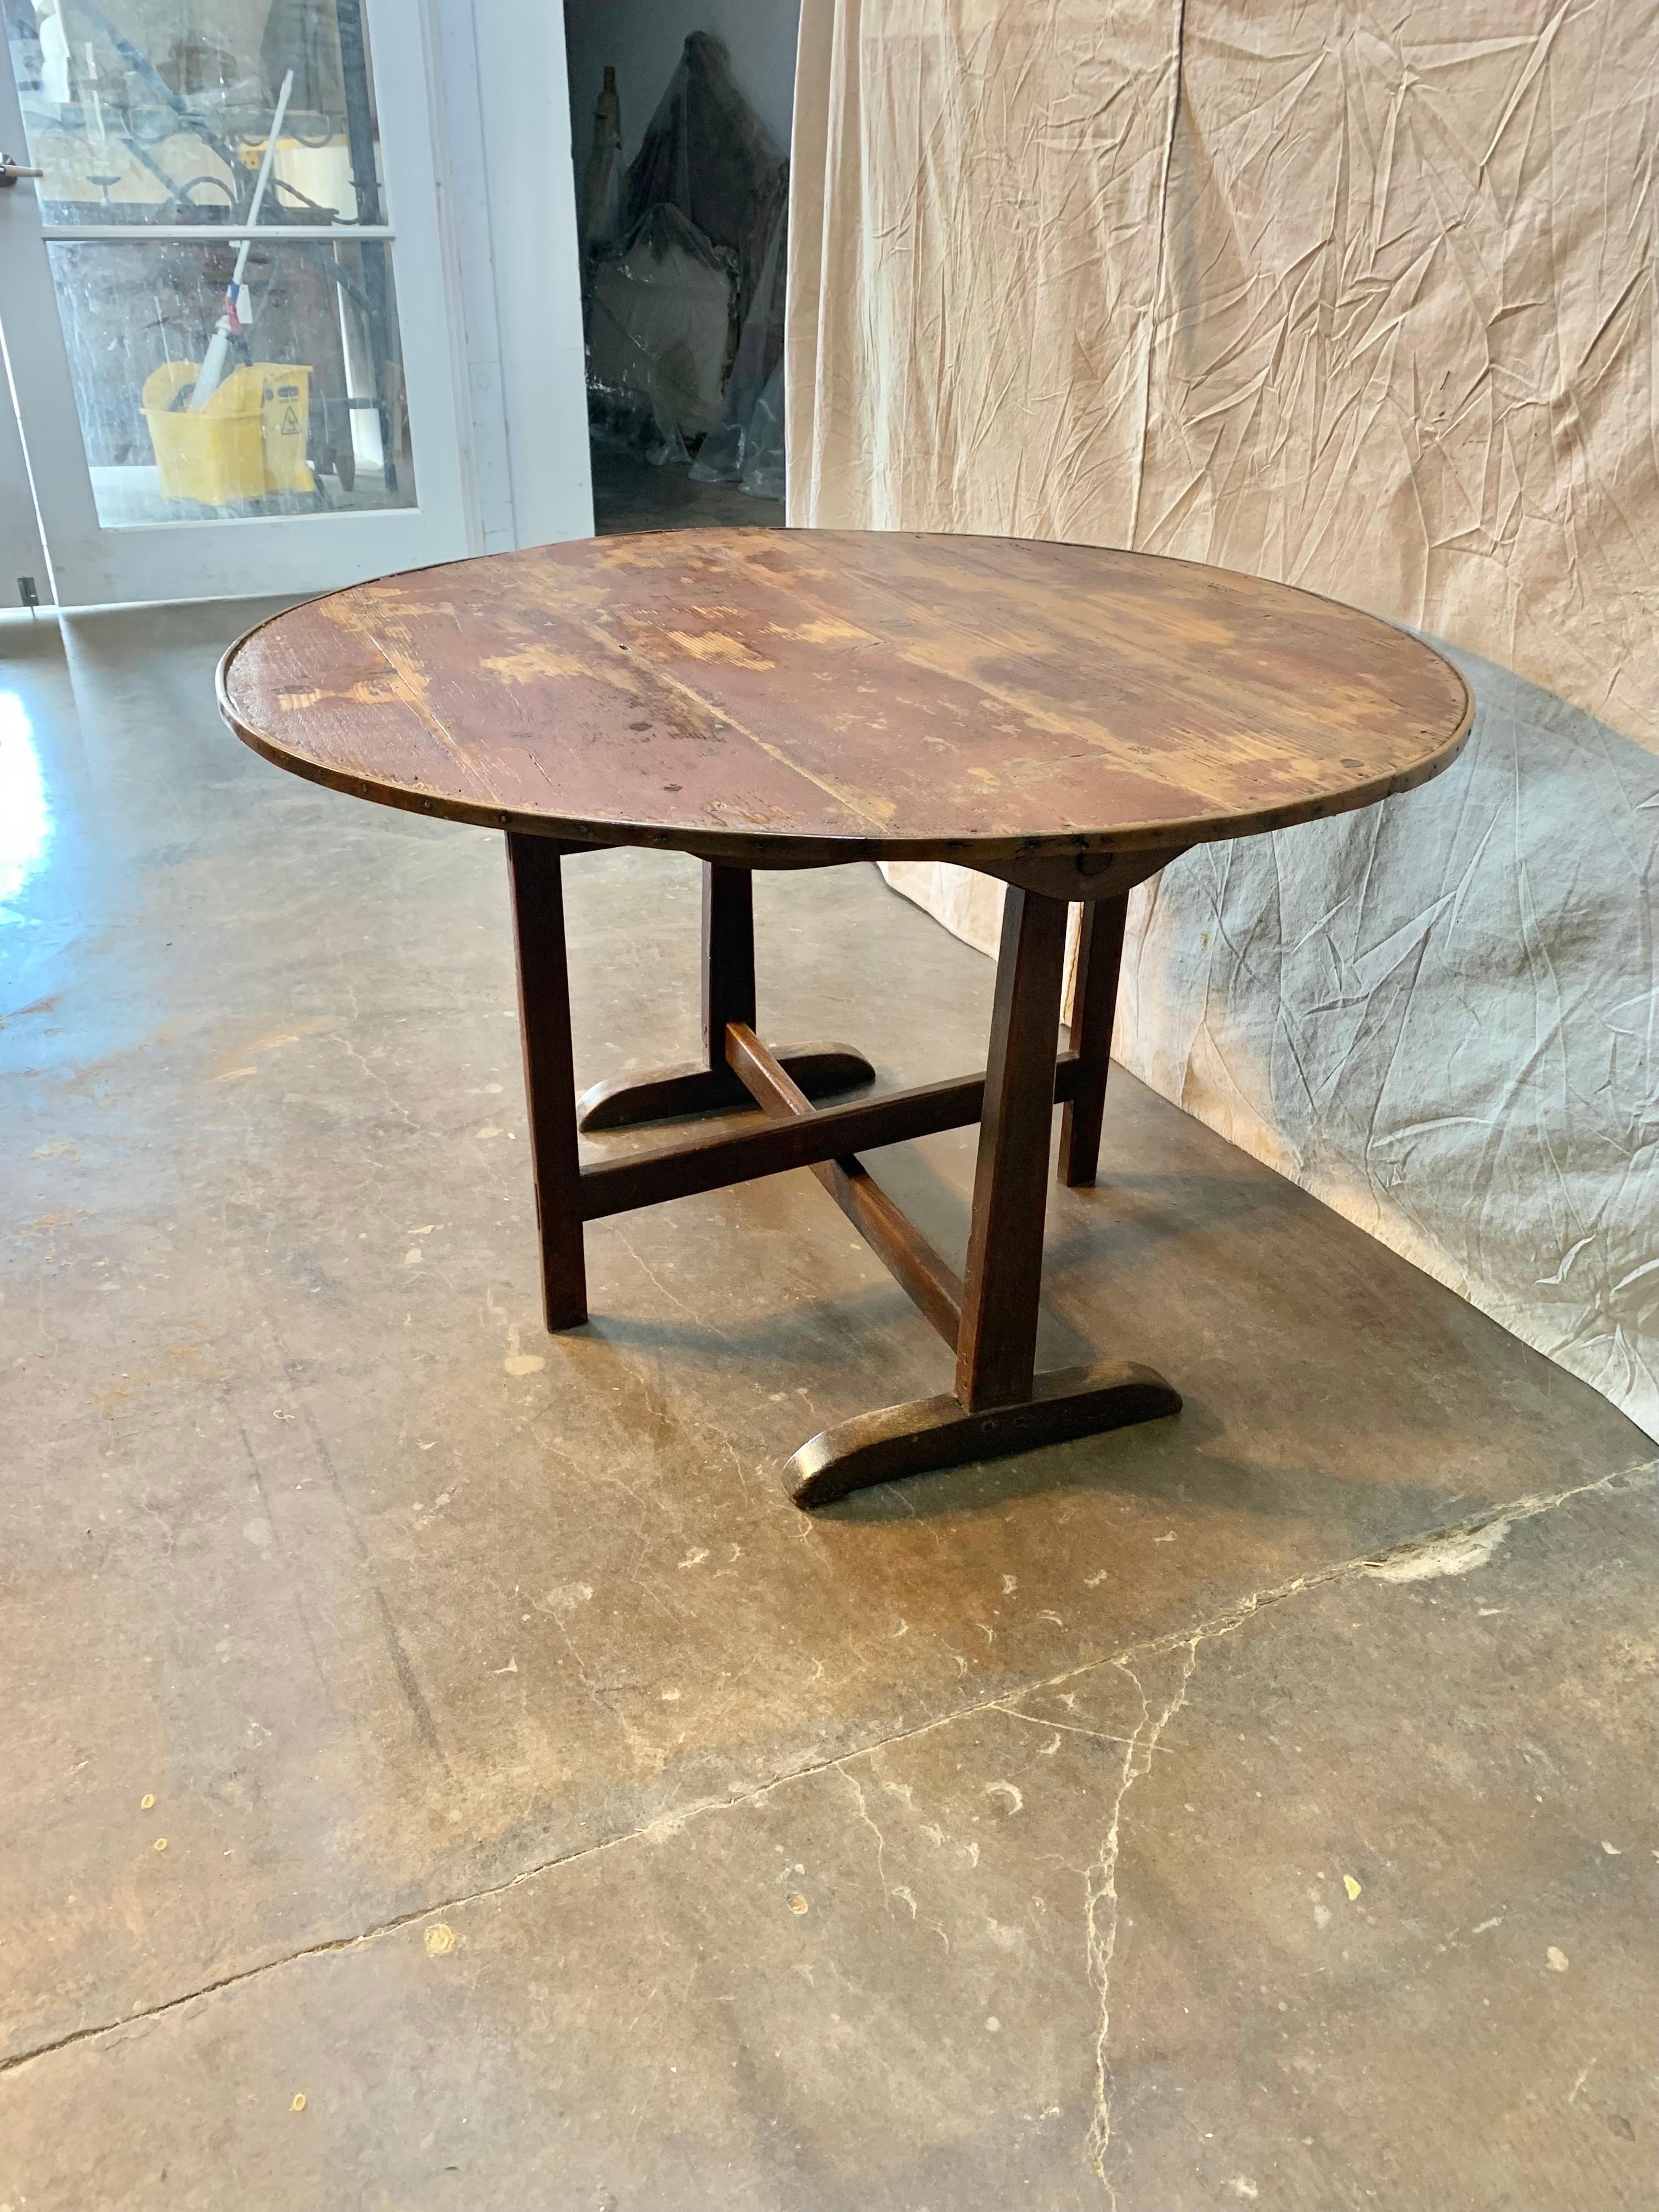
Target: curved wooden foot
x=935 y=1432
x=673 y=1094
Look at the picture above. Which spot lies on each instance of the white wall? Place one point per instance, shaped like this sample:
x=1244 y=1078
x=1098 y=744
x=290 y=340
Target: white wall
x=643 y=37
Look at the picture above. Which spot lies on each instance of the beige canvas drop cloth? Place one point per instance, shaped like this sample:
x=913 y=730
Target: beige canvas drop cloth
x=1362 y=298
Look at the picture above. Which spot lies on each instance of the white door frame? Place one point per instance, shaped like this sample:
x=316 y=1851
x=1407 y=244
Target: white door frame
x=509 y=202
x=21 y=553
x=438 y=235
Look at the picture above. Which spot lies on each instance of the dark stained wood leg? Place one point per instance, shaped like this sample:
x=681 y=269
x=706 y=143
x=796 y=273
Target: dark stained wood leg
x=999 y=1405
x=996 y=1350
x=673 y=1094
x=533 y=865
x=1094 y=1004
x=728 y=956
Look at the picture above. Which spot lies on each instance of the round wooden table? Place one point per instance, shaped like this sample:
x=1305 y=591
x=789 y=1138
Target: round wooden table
x=1064 y=717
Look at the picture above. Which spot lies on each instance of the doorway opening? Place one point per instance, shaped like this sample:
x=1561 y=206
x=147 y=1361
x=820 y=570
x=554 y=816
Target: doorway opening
x=680 y=121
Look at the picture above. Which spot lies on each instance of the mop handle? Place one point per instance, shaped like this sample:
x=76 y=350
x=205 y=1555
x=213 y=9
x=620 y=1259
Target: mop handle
x=264 y=176
x=211 y=372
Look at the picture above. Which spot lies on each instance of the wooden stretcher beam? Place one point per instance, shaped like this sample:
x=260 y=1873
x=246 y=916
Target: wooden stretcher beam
x=884 y=1226
x=825 y=1132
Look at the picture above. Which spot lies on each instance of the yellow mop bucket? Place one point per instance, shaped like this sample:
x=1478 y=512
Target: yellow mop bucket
x=248 y=440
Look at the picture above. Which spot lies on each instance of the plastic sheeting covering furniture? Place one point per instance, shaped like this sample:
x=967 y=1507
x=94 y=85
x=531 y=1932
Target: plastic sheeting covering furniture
x=745 y=447
x=1362 y=298
x=702 y=266
x=707 y=152
x=659 y=327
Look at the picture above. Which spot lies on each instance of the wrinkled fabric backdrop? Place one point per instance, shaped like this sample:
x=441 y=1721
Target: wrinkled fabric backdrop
x=1363 y=299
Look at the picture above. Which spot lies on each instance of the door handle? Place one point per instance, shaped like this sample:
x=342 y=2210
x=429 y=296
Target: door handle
x=9 y=172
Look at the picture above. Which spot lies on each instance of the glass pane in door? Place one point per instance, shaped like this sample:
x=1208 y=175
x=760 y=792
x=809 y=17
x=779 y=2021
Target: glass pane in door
x=308 y=417
x=159 y=110
x=151 y=115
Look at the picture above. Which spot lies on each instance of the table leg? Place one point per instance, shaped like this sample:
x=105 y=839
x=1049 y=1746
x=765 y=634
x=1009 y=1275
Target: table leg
x=670 y=1094
x=533 y=865
x=1094 y=1007
x=996 y=1351
x=728 y=957
x=1000 y=1404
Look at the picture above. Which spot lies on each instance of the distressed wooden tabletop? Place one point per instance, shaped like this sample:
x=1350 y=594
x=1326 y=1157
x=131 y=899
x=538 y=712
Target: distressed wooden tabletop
x=792 y=697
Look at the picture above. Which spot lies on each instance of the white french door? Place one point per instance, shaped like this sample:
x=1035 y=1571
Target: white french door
x=331 y=445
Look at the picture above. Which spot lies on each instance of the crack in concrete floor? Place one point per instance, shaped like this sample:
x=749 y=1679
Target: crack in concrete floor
x=1458 y=1540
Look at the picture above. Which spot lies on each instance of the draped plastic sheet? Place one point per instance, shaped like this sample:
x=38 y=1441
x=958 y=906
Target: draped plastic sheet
x=1362 y=299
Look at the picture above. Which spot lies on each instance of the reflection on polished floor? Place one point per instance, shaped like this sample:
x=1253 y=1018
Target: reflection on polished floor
x=445 y=1770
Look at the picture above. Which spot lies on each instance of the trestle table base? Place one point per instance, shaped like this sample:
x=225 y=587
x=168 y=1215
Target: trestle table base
x=988 y=1317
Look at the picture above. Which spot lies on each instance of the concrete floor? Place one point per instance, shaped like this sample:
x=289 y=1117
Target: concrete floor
x=443 y=1769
